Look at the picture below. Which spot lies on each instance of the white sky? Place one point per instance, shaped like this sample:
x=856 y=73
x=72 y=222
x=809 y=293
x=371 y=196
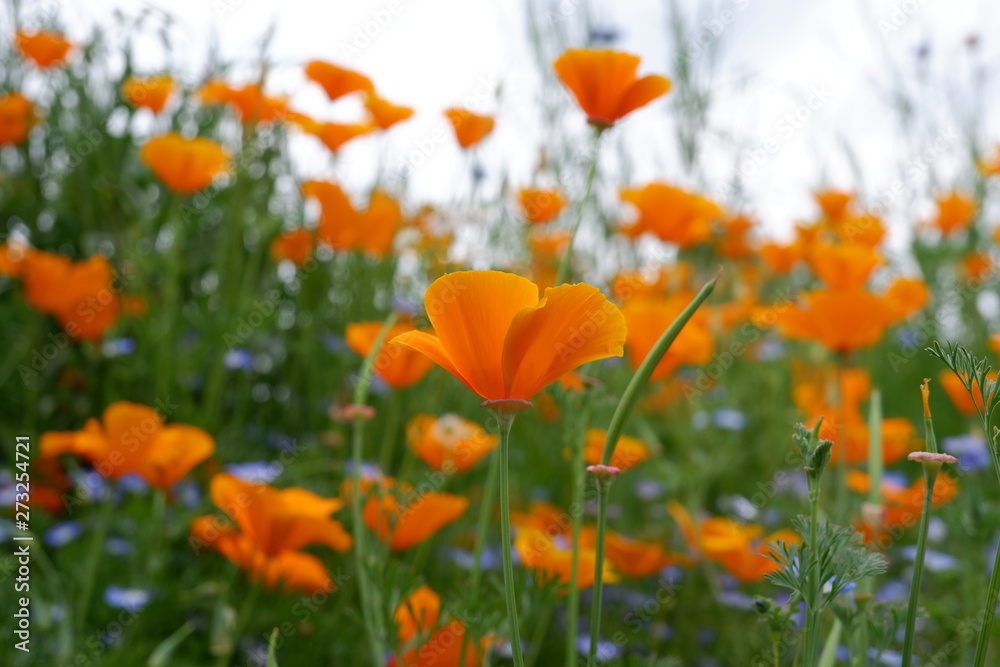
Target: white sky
x=434 y=53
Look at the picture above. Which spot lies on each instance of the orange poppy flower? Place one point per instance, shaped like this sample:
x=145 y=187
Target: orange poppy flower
x=249 y=101
x=844 y=265
x=902 y=506
x=633 y=558
x=671 y=214
x=295 y=245
x=496 y=336
x=470 y=128
x=780 y=258
x=12 y=257
x=547 y=249
x=960 y=398
x=734 y=242
x=132 y=438
x=343 y=228
x=540 y=206
x=449 y=441
x=741 y=549
x=604 y=83
x=399 y=366
x=337 y=81
x=993 y=342
x=17 y=117
x=977 y=266
x=429 y=643
x=553 y=559
x=628 y=284
x=955 y=213
x=185 y=165
x=405 y=518
x=148 y=92
x=81 y=295
x=629 y=452
x=842 y=320
x=833 y=203
x=44 y=48
x=864 y=229
x=271 y=526
x=385 y=114
x=648 y=317
x=335 y=135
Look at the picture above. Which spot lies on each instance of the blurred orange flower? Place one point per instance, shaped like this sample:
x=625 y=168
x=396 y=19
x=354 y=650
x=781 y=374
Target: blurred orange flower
x=833 y=203
x=977 y=266
x=540 y=206
x=955 y=213
x=604 y=83
x=132 y=438
x=902 y=506
x=629 y=452
x=185 y=165
x=399 y=366
x=271 y=527
x=780 y=258
x=553 y=557
x=337 y=81
x=17 y=117
x=470 y=128
x=734 y=242
x=844 y=265
x=385 y=114
x=449 y=441
x=426 y=641
x=248 y=101
x=335 y=135
x=294 y=245
x=343 y=228
x=633 y=558
x=671 y=214
x=495 y=335
x=405 y=518
x=648 y=317
x=150 y=92
x=960 y=398
x=45 y=48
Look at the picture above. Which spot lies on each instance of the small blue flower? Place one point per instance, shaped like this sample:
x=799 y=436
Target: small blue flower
x=605 y=35
x=62 y=533
x=239 y=359
x=729 y=419
x=970 y=450
x=118 y=347
x=770 y=350
x=335 y=343
x=256 y=472
x=133 y=483
x=188 y=493
x=606 y=651
x=648 y=489
x=118 y=546
x=129 y=599
x=935 y=561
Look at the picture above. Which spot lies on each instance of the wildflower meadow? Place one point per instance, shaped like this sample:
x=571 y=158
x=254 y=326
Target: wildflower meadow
x=546 y=384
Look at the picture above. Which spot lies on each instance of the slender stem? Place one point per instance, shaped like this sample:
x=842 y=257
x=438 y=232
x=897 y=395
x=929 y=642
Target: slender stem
x=242 y=619
x=391 y=425
x=814 y=616
x=930 y=477
x=94 y=558
x=506 y=419
x=482 y=525
x=576 y=513
x=156 y=554
x=538 y=637
x=369 y=602
x=595 y=607
x=567 y=259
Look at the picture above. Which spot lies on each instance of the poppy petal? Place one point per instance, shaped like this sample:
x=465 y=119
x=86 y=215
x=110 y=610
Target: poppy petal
x=641 y=93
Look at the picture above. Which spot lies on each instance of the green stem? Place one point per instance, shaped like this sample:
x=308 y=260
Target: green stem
x=930 y=477
x=482 y=525
x=567 y=259
x=595 y=608
x=989 y=611
x=576 y=513
x=506 y=420
x=538 y=637
x=814 y=616
x=391 y=425
x=156 y=552
x=369 y=594
x=94 y=558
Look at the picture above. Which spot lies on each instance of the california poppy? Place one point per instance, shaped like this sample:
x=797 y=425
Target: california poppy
x=337 y=81
x=294 y=245
x=671 y=214
x=271 y=527
x=404 y=518
x=132 y=438
x=386 y=114
x=342 y=227
x=470 y=128
x=540 y=206
x=955 y=213
x=44 y=48
x=430 y=640
x=449 y=441
x=735 y=243
x=17 y=117
x=835 y=204
x=604 y=83
x=648 y=317
x=185 y=165
x=148 y=92
x=960 y=398
x=780 y=258
x=629 y=452
x=248 y=101
x=494 y=334
x=335 y=135
x=741 y=549
x=399 y=366
x=634 y=558
x=844 y=265
x=902 y=506
x=553 y=559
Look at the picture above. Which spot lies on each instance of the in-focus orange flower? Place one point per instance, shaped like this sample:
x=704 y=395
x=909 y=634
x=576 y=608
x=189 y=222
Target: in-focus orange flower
x=954 y=387
x=470 y=128
x=648 y=317
x=426 y=641
x=833 y=203
x=44 y=48
x=604 y=83
x=185 y=165
x=540 y=206
x=343 y=228
x=495 y=335
x=17 y=117
x=83 y=296
x=249 y=101
x=405 y=518
x=449 y=441
x=271 y=527
x=629 y=452
x=132 y=438
x=553 y=559
x=902 y=506
x=386 y=114
x=671 y=214
x=633 y=558
x=955 y=213
x=337 y=81
x=399 y=366
x=151 y=92
x=295 y=245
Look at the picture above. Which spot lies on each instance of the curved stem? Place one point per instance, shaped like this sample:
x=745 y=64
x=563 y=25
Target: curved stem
x=930 y=477
x=506 y=419
x=580 y=210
